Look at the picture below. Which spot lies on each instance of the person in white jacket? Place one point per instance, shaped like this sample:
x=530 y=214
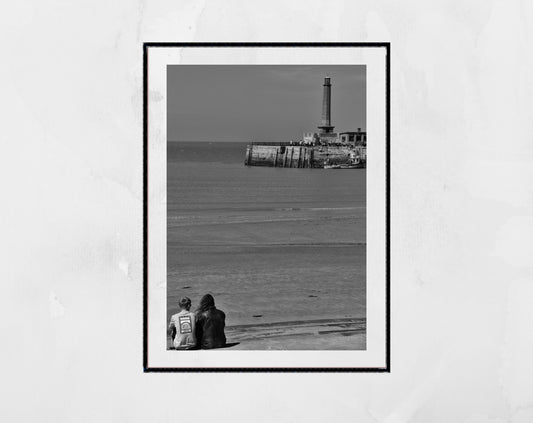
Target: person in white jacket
x=182 y=326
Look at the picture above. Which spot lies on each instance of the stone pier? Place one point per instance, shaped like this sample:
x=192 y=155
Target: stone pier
x=296 y=156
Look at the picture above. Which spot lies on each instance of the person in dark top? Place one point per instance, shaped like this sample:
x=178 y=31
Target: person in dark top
x=210 y=323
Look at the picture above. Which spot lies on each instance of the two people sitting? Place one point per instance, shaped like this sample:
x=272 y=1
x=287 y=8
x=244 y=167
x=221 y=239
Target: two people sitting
x=202 y=329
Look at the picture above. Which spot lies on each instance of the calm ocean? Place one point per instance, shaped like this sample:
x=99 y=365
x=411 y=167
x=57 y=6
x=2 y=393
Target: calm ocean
x=271 y=244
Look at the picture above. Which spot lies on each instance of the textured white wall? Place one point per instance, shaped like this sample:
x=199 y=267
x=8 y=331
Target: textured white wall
x=71 y=222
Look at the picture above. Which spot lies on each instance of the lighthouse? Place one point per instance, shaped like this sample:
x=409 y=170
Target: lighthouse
x=326 y=127
x=325 y=148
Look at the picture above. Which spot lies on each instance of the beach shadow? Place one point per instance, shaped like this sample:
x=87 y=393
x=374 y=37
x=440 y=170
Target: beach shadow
x=230 y=344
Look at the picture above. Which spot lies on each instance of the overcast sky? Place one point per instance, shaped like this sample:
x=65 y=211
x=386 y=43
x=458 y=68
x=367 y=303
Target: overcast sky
x=261 y=103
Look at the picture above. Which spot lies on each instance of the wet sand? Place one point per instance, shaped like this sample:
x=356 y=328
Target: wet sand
x=270 y=283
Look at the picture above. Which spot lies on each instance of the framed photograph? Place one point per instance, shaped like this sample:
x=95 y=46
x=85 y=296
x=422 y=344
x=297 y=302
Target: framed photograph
x=266 y=207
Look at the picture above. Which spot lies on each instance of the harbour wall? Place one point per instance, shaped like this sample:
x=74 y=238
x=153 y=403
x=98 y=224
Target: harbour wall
x=299 y=156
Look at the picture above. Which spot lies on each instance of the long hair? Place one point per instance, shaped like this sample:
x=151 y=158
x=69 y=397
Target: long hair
x=206 y=303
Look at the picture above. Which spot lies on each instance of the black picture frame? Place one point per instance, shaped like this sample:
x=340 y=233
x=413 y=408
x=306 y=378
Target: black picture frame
x=384 y=45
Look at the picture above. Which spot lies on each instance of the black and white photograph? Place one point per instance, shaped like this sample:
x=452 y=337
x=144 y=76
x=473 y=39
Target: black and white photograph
x=266 y=207
x=261 y=238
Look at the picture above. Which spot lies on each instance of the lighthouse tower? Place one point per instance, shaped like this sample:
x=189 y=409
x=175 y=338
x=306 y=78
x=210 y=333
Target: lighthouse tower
x=325 y=127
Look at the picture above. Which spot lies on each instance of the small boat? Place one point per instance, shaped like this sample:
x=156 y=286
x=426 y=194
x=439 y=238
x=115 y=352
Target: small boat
x=353 y=163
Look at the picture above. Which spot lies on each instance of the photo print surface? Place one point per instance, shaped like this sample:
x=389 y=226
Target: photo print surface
x=266 y=203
